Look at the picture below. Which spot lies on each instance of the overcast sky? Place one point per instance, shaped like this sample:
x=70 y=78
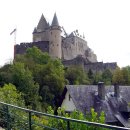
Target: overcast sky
x=105 y=24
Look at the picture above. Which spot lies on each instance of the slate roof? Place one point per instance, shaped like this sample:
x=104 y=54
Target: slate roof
x=86 y=97
x=35 y=30
x=55 y=21
x=42 y=25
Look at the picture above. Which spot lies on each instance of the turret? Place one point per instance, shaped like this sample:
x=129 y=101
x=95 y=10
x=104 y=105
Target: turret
x=40 y=33
x=42 y=25
x=55 y=39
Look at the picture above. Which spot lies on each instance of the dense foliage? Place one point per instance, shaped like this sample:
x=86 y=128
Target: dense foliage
x=76 y=75
x=37 y=76
x=122 y=75
x=62 y=125
x=9 y=94
x=36 y=81
x=42 y=79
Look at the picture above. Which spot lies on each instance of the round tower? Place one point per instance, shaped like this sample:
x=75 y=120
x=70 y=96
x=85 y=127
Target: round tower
x=55 y=39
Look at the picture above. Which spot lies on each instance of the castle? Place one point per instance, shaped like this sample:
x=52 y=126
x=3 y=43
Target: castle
x=71 y=48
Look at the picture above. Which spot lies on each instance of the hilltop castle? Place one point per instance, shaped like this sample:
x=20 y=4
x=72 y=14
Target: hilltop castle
x=71 y=48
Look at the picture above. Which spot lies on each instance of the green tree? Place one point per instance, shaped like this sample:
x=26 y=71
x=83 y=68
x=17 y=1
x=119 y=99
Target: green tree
x=76 y=75
x=51 y=82
x=10 y=95
x=107 y=76
x=5 y=74
x=91 y=76
x=47 y=72
x=96 y=78
x=23 y=80
x=37 y=56
x=117 y=76
x=126 y=75
x=61 y=125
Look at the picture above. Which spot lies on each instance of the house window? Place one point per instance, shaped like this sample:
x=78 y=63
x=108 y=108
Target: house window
x=69 y=97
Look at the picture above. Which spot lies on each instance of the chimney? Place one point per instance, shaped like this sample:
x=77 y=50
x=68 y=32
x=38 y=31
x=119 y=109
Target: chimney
x=101 y=90
x=116 y=90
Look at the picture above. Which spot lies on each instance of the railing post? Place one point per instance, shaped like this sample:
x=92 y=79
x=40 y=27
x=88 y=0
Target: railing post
x=68 y=125
x=30 y=121
x=8 y=118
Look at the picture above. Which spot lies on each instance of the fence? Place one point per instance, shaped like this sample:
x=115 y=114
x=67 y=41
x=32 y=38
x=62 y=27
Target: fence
x=7 y=118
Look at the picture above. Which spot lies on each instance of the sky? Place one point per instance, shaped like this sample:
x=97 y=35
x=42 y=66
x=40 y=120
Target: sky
x=105 y=24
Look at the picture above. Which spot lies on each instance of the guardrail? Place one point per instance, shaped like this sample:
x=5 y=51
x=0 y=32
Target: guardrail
x=7 y=117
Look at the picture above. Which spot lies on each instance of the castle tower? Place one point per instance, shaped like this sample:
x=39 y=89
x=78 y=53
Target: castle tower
x=55 y=39
x=40 y=32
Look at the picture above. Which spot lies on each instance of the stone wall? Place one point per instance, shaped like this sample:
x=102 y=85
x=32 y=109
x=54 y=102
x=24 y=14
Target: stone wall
x=100 y=66
x=41 y=36
x=78 y=61
x=87 y=65
x=42 y=45
x=55 y=42
x=72 y=46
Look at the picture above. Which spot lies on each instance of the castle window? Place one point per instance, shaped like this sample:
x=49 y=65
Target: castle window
x=51 y=33
x=57 y=44
x=55 y=36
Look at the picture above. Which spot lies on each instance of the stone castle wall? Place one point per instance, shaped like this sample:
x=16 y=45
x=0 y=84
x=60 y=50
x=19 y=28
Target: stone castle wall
x=41 y=36
x=87 y=65
x=73 y=46
x=78 y=60
x=100 y=66
x=42 y=45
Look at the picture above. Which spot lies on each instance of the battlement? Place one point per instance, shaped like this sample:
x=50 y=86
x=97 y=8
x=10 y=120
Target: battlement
x=42 y=45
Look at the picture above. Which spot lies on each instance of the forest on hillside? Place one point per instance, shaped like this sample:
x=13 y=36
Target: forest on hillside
x=41 y=79
x=36 y=81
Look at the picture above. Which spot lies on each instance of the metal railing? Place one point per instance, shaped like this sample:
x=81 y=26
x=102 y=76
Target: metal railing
x=7 y=118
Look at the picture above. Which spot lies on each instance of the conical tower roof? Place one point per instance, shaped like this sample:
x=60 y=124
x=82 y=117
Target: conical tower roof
x=35 y=30
x=42 y=25
x=55 y=21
